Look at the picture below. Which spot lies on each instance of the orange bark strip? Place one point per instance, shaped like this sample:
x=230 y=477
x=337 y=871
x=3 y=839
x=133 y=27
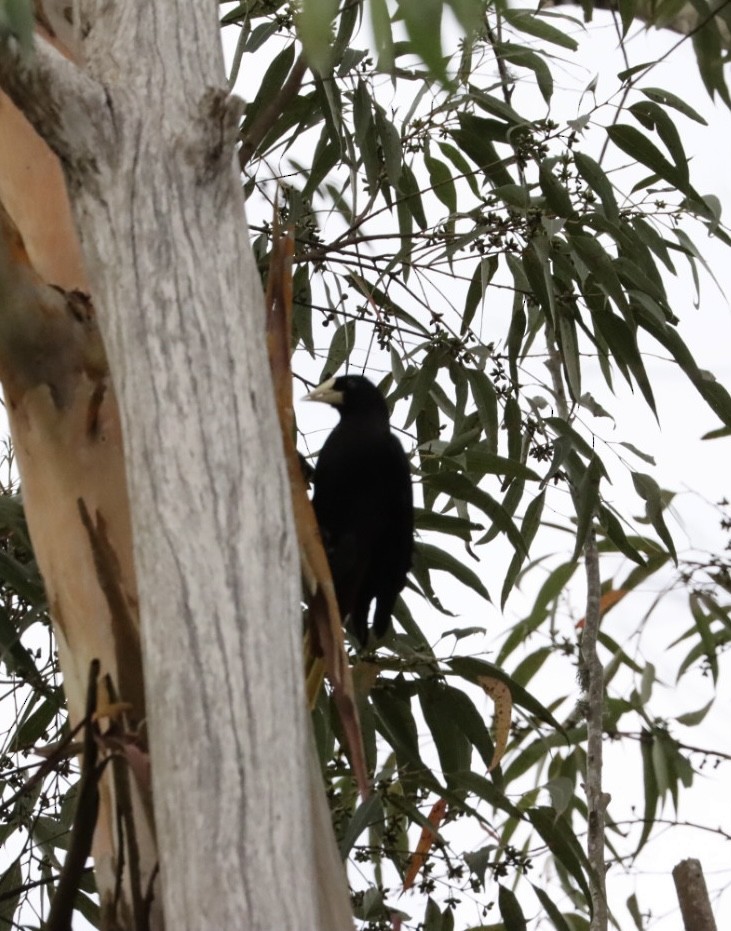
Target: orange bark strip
x=326 y=631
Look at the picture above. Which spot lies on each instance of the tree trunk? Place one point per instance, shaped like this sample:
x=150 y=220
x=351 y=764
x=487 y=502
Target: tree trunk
x=145 y=133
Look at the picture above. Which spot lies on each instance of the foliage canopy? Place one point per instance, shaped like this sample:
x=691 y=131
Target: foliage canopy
x=484 y=260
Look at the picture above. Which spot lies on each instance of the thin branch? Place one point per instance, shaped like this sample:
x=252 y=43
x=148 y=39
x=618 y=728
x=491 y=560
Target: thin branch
x=87 y=808
x=596 y=799
x=593 y=684
x=62 y=751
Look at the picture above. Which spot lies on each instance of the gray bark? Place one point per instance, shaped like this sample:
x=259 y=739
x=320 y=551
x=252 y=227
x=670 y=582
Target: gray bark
x=695 y=906
x=145 y=132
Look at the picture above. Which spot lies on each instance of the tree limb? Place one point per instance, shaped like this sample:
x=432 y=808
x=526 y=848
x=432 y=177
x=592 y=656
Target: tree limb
x=66 y=107
x=686 y=21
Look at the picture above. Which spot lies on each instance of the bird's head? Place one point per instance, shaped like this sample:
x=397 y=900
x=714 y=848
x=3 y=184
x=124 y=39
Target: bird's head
x=350 y=394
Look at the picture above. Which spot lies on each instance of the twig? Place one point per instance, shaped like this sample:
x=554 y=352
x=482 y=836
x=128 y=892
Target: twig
x=61 y=752
x=594 y=684
x=122 y=791
x=87 y=808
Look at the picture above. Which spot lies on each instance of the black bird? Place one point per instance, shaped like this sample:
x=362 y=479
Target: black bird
x=364 y=504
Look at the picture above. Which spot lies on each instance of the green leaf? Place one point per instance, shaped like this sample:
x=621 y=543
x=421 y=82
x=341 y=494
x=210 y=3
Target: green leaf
x=472 y=724
x=382 y=33
x=436 y=558
x=658 y=95
x=510 y=910
x=485 y=397
x=622 y=342
x=563 y=429
x=481 y=277
x=712 y=392
x=365 y=134
x=562 y=843
x=427 y=519
x=529 y=527
x=440 y=178
x=587 y=502
x=557 y=196
x=707 y=46
x=598 y=262
x=524 y=57
x=391 y=145
x=549 y=591
x=647 y=741
x=638 y=146
x=694 y=718
x=473 y=138
x=479 y=460
x=570 y=357
x=484 y=789
x=461 y=164
x=368 y=812
x=409 y=187
x=11 y=889
x=458 y=486
x=648 y=489
x=16 y=17
x=33 y=727
x=341 y=346
x=594 y=176
x=314 y=27
x=453 y=747
x=615 y=533
x=273 y=79
x=653 y=117
x=423 y=20
x=559 y=922
x=533 y=24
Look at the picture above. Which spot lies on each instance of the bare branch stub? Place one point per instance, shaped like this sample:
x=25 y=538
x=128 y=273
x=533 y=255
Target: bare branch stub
x=695 y=906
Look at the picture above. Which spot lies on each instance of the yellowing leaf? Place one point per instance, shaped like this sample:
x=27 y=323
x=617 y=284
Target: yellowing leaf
x=503 y=701
x=426 y=839
x=608 y=600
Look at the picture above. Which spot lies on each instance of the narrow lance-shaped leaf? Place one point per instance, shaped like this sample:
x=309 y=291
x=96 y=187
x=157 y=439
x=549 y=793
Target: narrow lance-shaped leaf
x=587 y=502
x=648 y=489
x=510 y=910
x=314 y=29
x=594 y=176
x=531 y=523
x=458 y=486
x=437 y=558
x=340 y=348
x=652 y=116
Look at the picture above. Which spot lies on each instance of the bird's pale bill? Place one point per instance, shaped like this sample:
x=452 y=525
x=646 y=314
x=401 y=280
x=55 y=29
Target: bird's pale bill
x=326 y=393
